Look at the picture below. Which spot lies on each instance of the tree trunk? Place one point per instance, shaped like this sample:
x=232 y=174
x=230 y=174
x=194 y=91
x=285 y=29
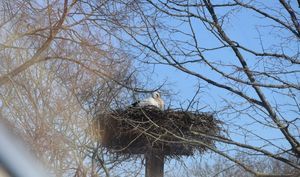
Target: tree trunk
x=154 y=164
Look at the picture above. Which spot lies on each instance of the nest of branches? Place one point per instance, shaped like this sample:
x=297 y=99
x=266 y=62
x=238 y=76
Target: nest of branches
x=138 y=130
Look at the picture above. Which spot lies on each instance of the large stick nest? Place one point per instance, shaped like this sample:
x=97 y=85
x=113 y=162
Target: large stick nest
x=138 y=130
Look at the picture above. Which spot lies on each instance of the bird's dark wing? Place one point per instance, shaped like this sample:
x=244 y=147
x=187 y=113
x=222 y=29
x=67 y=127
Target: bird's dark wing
x=135 y=104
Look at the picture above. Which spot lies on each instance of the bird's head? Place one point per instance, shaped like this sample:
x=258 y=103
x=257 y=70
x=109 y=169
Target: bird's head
x=156 y=95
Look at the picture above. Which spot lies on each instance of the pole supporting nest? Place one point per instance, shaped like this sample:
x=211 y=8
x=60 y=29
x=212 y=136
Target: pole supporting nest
x=154 y=164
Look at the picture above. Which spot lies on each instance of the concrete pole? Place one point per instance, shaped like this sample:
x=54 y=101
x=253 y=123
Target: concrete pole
x=154 y=164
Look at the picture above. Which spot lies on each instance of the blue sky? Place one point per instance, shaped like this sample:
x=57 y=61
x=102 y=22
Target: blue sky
x=243 y=27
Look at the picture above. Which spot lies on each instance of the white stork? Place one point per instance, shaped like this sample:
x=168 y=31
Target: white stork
x=155 y=100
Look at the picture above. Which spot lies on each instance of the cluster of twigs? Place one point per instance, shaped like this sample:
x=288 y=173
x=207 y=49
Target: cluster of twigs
x=138 y=130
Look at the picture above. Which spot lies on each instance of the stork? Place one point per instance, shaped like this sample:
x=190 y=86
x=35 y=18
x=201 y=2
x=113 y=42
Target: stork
x=155 y=100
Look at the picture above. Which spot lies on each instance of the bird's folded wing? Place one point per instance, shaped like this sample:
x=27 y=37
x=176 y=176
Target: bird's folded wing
x=135 y=103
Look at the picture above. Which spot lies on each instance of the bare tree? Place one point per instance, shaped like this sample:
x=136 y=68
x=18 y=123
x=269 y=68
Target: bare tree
x=54 y=62
x=257 y=74
x=223 y=167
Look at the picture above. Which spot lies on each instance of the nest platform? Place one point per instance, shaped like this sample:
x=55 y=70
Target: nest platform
x=137 y=130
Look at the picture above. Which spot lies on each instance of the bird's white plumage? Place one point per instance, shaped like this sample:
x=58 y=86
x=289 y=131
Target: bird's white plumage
x=155 y=100
x=148 y=102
